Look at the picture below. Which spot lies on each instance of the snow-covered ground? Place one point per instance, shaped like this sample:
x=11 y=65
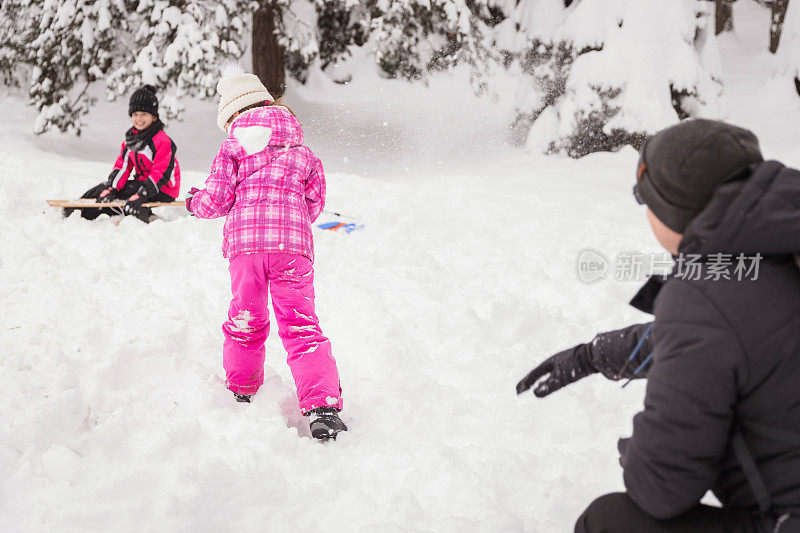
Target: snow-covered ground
x=113 y=410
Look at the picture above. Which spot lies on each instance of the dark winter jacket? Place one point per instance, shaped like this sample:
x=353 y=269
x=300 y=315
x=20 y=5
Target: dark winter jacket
x=153 y=158
x=726 y=354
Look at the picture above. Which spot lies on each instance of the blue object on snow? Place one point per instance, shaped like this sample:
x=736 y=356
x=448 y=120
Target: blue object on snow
x=336 y=226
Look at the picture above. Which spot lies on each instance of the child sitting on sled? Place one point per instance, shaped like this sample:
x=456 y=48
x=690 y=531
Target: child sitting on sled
x=151 y=153
x=271 y=188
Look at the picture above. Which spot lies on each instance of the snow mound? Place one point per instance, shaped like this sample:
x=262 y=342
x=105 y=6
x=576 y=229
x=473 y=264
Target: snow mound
x=113 y=408
x=616 y=71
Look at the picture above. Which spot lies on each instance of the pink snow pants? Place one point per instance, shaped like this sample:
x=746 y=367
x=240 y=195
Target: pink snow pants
x=290 y=280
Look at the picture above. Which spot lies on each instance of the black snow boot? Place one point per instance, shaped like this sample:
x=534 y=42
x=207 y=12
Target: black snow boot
x=325 y=423
x=243 y=398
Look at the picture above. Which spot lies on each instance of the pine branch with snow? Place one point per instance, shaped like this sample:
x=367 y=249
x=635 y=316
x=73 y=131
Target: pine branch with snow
x=67 y=45
x=414 y=37
x=178 y=47
x=629 y=69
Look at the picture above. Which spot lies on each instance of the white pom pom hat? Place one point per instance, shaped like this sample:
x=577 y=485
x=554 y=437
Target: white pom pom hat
x=237 y=90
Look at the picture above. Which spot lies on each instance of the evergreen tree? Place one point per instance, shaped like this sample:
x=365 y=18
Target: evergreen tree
x=724 y=16
x=576 y=56
x=414 y=37
x=269 y=62
x=67 y=45
x=606 y=73
x=284 y=40
x=342 y=25
x=788 y=53
x=410 y=38
x=778 y=14
x=178 y=46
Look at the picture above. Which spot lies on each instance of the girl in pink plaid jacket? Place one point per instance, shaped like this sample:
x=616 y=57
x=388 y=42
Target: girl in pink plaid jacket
x=271 y=188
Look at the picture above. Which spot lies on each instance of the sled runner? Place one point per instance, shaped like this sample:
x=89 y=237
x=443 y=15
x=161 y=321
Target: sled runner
x=93 y=204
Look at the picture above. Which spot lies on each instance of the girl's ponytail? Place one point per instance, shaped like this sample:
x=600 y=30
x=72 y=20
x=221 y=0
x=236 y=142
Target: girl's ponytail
x=280 y=103
x=277 y=103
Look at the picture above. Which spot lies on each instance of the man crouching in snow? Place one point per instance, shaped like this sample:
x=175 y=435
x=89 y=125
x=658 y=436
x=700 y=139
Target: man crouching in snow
x=722 y=404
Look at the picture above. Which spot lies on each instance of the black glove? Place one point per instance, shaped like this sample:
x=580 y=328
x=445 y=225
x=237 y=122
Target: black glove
x=561 y=369
x=147 y=191
x=112 y=193
x=133 y=207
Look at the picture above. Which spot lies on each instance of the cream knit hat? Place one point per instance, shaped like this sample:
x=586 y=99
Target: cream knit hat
x=238 y=90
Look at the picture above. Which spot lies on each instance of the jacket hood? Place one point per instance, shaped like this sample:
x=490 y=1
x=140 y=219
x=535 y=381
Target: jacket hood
x=273 y=126
x=757 y=214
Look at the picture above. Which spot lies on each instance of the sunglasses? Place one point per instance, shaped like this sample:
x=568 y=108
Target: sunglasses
x=641 y=173
x=637 y=195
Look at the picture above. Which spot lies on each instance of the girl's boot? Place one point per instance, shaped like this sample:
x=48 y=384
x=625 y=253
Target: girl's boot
x=242 y=398
x=325 y=423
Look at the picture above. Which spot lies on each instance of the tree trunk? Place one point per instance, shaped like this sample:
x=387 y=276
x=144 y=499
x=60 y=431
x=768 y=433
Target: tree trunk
x=268 y=56
x=778 y=8
x=724 y=15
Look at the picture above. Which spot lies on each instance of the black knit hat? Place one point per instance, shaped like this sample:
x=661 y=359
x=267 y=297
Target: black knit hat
x=144 y=99
x=681 y=166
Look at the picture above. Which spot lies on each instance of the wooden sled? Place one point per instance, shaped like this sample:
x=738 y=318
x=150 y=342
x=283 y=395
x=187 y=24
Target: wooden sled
x=91 y=203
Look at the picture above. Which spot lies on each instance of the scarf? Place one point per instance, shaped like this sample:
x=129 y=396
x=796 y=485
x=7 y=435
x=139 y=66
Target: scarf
x=135 y=140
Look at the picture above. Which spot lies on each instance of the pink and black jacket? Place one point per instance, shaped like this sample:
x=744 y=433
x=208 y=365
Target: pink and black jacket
x=152 y=155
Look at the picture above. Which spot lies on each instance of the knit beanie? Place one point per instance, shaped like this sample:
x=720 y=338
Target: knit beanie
x=238 y=90
x=681 y=166
x=144 y=99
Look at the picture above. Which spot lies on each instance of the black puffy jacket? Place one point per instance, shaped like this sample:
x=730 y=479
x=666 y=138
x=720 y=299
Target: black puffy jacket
x=726 y=355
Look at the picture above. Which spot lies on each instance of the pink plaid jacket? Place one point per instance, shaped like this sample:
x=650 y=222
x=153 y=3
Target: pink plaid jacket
x=269 y=185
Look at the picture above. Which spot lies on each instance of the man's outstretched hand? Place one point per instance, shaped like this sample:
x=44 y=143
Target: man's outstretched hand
x=559 y=371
